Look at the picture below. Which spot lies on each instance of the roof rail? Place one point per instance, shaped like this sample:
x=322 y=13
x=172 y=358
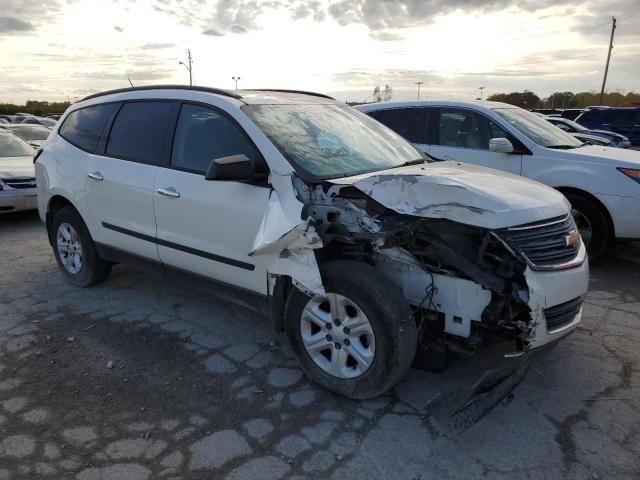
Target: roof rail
x=281 y=90
x=217 y=91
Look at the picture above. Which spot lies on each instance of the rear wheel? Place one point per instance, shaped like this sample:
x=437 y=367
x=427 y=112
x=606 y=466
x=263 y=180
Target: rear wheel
x=592 y=224
x=75 y=251
x=359 y=338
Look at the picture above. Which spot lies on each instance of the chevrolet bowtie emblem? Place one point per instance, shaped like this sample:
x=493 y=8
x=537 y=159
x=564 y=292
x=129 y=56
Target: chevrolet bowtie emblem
x=573 y=239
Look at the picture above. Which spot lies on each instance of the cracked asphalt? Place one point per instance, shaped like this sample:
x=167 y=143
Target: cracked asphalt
x=146 y=377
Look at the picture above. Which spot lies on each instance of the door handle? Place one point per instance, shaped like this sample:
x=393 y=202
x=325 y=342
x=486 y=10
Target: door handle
x=97 y=176
x=169 y=192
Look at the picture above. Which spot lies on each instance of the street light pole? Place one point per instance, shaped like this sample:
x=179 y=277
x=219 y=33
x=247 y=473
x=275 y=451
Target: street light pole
x=419 y=84
x=188 y=67
x=481 y=91
x=235 y=79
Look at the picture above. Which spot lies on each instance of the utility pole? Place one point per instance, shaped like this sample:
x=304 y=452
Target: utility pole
x=188 y=67
x=606 y=68
x=481 y=91
x=235 y=79
x=419 y=84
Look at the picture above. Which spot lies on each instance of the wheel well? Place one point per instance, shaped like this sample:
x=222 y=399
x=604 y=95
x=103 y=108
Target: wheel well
x=594 y=199
x=56 y=203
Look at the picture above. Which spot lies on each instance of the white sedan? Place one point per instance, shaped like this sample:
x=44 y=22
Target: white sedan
x=17 y=177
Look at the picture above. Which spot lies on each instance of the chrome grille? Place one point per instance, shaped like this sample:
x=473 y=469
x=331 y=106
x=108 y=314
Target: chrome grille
x=19 y=182
x=561 y=315
x=544 y=244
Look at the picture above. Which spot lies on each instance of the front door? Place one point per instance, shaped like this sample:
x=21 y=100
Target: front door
x=208 y=227
x=463 y=135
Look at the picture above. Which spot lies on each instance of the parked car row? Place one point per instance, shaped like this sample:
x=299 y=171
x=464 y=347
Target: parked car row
x=590 y=136
x=48 y=121
x=601 y=183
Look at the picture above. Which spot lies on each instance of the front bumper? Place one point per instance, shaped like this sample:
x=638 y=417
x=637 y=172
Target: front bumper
x=16 y=200
x=625 y=214
x=549 y=289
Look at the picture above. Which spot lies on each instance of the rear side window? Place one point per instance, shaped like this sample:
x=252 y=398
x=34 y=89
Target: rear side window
x=139 y=132
x=622 y=117
x=410 y=123
x=203 y=135
x=83 y=127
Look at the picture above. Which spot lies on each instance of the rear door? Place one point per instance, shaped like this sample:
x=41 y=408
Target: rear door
x=120 y=177
x=208 y=227
x=463 y=135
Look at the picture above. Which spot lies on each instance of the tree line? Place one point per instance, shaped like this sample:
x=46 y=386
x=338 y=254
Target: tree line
x=529 y=100
x=33 y=107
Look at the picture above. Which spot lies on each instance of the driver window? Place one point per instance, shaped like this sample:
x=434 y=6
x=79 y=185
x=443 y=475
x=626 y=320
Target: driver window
x=202 y=135
x=466 y=129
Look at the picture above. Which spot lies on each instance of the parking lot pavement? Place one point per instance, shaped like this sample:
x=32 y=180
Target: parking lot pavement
x=142 y=377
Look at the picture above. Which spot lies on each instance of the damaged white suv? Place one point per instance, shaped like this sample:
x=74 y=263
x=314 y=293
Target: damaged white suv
x=364 y=248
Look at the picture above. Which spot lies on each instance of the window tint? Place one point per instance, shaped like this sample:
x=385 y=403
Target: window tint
x=203 y=135
x=622 y=117
x=84 y=127
x=139 y=132
x=408 y=122
x=466 y=129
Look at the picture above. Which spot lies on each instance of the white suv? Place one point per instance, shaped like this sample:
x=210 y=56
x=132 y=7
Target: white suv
x=362 y=246
x=602 y=183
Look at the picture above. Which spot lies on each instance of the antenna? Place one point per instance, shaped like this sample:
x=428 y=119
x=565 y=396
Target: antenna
x=130 y=82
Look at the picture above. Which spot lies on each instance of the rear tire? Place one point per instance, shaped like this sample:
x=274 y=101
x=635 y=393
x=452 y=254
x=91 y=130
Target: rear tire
x=385 y=342
x=75 y=251
x=592 y=223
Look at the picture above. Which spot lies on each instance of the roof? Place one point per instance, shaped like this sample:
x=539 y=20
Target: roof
x=256 y=96
x=370 y=107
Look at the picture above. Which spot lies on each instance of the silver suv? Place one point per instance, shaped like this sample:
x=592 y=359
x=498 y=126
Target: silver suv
x=364 y=247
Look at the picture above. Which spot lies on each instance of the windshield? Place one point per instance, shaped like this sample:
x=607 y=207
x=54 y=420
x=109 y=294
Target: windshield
x=538 y=129
x=32 y=132
x=12 y=146
x=329 y=141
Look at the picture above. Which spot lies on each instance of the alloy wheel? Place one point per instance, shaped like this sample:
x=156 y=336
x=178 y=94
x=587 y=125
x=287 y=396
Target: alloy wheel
x=69 y=248
x=337 y=335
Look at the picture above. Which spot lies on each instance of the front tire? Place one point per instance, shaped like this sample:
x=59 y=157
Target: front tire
x=360 y=338
x=75 y=251
x=592 y=224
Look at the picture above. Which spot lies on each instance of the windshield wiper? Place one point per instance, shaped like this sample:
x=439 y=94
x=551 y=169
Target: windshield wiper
x=411 y=162
x=564 y=147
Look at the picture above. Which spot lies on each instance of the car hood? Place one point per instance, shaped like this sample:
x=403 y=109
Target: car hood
x=11 y=167
x=617 y=157
x=592 y=138
x=606 y=132
x=462 y=193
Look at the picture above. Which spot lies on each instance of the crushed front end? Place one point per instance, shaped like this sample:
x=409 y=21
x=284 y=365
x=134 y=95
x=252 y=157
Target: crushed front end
x=470 y=287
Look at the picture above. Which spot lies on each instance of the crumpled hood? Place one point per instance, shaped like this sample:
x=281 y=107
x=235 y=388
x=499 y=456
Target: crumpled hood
x=463 y=193
x=16 y=167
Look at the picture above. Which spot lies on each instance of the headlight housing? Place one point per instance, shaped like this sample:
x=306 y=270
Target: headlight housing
x=632 y=173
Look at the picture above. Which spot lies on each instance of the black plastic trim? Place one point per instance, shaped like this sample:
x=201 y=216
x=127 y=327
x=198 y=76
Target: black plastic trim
x=182 y=248
x=217 y=91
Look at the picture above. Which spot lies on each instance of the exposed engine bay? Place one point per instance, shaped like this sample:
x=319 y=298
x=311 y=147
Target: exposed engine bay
x=465 y=285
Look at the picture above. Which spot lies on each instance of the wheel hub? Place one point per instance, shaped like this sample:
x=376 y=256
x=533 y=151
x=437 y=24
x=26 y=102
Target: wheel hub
x=337 y=335
x=69 y=248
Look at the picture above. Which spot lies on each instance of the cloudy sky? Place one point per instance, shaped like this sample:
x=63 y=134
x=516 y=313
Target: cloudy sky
x=54 y=49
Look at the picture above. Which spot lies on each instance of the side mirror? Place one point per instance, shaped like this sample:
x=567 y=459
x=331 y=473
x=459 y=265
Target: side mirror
x=233 y=167
x=500 y=145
